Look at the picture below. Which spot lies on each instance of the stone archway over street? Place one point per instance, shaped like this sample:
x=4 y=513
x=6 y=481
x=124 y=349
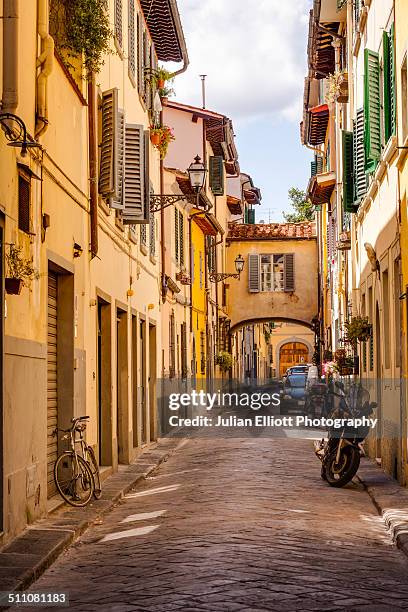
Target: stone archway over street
x=280 y=279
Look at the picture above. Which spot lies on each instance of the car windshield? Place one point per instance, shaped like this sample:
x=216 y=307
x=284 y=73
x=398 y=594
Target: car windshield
x=297 y=380
x=299 y=369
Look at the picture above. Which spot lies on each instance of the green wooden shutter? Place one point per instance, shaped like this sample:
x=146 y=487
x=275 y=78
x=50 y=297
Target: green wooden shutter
x=360 y=177
x=117 y=201
x=181 y=232
x=176 y=235
x=253 y=274
x=393 y=92
x=387 y=86
x=136 y=192
x=289 y=272
x=313 y=168
x=217 y=175
x=372 y=109
x=108 y=155
x=348 y=172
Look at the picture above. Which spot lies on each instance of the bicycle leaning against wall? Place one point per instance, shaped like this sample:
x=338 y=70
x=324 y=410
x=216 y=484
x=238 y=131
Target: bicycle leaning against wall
x=76 y=473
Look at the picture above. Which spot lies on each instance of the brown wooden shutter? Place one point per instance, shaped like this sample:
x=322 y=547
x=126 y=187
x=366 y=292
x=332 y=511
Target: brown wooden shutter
x=140 y=70
x=132 y=38
x=108 y=165
x=117 y=201
x=253 y=274
x=118 y=17
x=135 y=197
x=289 y=271
x=216 y=173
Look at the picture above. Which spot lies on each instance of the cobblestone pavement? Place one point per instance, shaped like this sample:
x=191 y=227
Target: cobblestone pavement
x=236 y=524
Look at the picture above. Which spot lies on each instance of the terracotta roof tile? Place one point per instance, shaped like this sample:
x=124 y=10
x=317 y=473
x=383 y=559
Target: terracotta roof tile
x=271 y=231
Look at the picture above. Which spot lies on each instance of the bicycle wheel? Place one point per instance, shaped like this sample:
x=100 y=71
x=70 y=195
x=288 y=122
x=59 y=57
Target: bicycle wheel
x=74 y=479
x=95 y=473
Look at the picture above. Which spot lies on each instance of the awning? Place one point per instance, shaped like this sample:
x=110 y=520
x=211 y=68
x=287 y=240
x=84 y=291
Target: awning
x=317 y=120
x=208 y=224
x=234 y=205
x=163 y=20
x=320 y=50
x=321 y=187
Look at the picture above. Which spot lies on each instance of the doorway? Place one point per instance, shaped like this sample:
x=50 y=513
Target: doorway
x=378 y=373
x=142 y=380
x=122 y=413
x=152 y=382
x=104 y=388
x=290 y=354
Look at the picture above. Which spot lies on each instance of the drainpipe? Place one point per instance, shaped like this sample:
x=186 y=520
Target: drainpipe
x=45 y=61
x=10 y=56
x=162 y=229
x=93 y=163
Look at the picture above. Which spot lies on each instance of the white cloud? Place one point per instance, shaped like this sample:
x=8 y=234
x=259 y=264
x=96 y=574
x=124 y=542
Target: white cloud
x=254 y=53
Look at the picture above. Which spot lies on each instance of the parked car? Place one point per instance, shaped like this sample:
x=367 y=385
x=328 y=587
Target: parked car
x=293 y=393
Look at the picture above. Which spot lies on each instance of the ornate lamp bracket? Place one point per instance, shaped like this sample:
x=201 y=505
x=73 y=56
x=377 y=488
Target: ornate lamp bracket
x=16 y=132
x=217 y=277
x=160 y=201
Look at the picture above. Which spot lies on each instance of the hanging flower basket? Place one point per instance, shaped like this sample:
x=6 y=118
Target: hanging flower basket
x=155 y=138
x=358 y=329
x=13 y=286
x=162 y=136
x=20 y=270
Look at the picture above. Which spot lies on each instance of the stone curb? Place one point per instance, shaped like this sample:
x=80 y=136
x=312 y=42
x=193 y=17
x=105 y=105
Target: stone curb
x=390 y=499
x=30 y=554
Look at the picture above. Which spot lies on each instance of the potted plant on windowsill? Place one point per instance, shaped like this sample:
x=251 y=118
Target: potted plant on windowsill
x=358 y=329
x=161 y=76
x=161 y=137
x=20 y=271
x=164 y=94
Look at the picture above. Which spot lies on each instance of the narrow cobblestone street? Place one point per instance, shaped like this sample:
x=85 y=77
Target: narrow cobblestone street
x=236 y=524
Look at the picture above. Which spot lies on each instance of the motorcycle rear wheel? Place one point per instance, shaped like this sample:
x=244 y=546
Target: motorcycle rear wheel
x=338 y=475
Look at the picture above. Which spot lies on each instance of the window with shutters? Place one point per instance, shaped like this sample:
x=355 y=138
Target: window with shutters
x=389 y=84
x=117 y=199
x=372 y=110
x=404 y=98
x=24 y=203
x=108 y=165
x=210 y=253
x=140 y=61
x=132 y=40
x=152 y=236
x=118 y=18
x=136 y=191
x=216 y=174
x=360 y=177
x=179 y=236
x=271 y=272
x=348 y=172
x=172 y=346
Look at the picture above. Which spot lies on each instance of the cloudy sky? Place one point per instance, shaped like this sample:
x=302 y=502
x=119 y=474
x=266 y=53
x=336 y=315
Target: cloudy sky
x=254 y=56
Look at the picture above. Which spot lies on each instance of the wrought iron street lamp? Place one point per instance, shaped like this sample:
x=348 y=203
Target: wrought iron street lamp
x=196 y=172
x=217 y=277
x=16 y=132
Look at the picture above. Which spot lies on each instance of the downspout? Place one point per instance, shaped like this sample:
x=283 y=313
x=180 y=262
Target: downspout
x=10 y=56
x=162 y=229
x=93 y=165
x=45 y=61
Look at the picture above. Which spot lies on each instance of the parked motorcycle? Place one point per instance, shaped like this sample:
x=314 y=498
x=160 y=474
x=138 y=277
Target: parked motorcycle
x=340 y=454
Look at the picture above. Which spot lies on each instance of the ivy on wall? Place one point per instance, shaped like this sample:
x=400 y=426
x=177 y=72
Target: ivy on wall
x=81 y=30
